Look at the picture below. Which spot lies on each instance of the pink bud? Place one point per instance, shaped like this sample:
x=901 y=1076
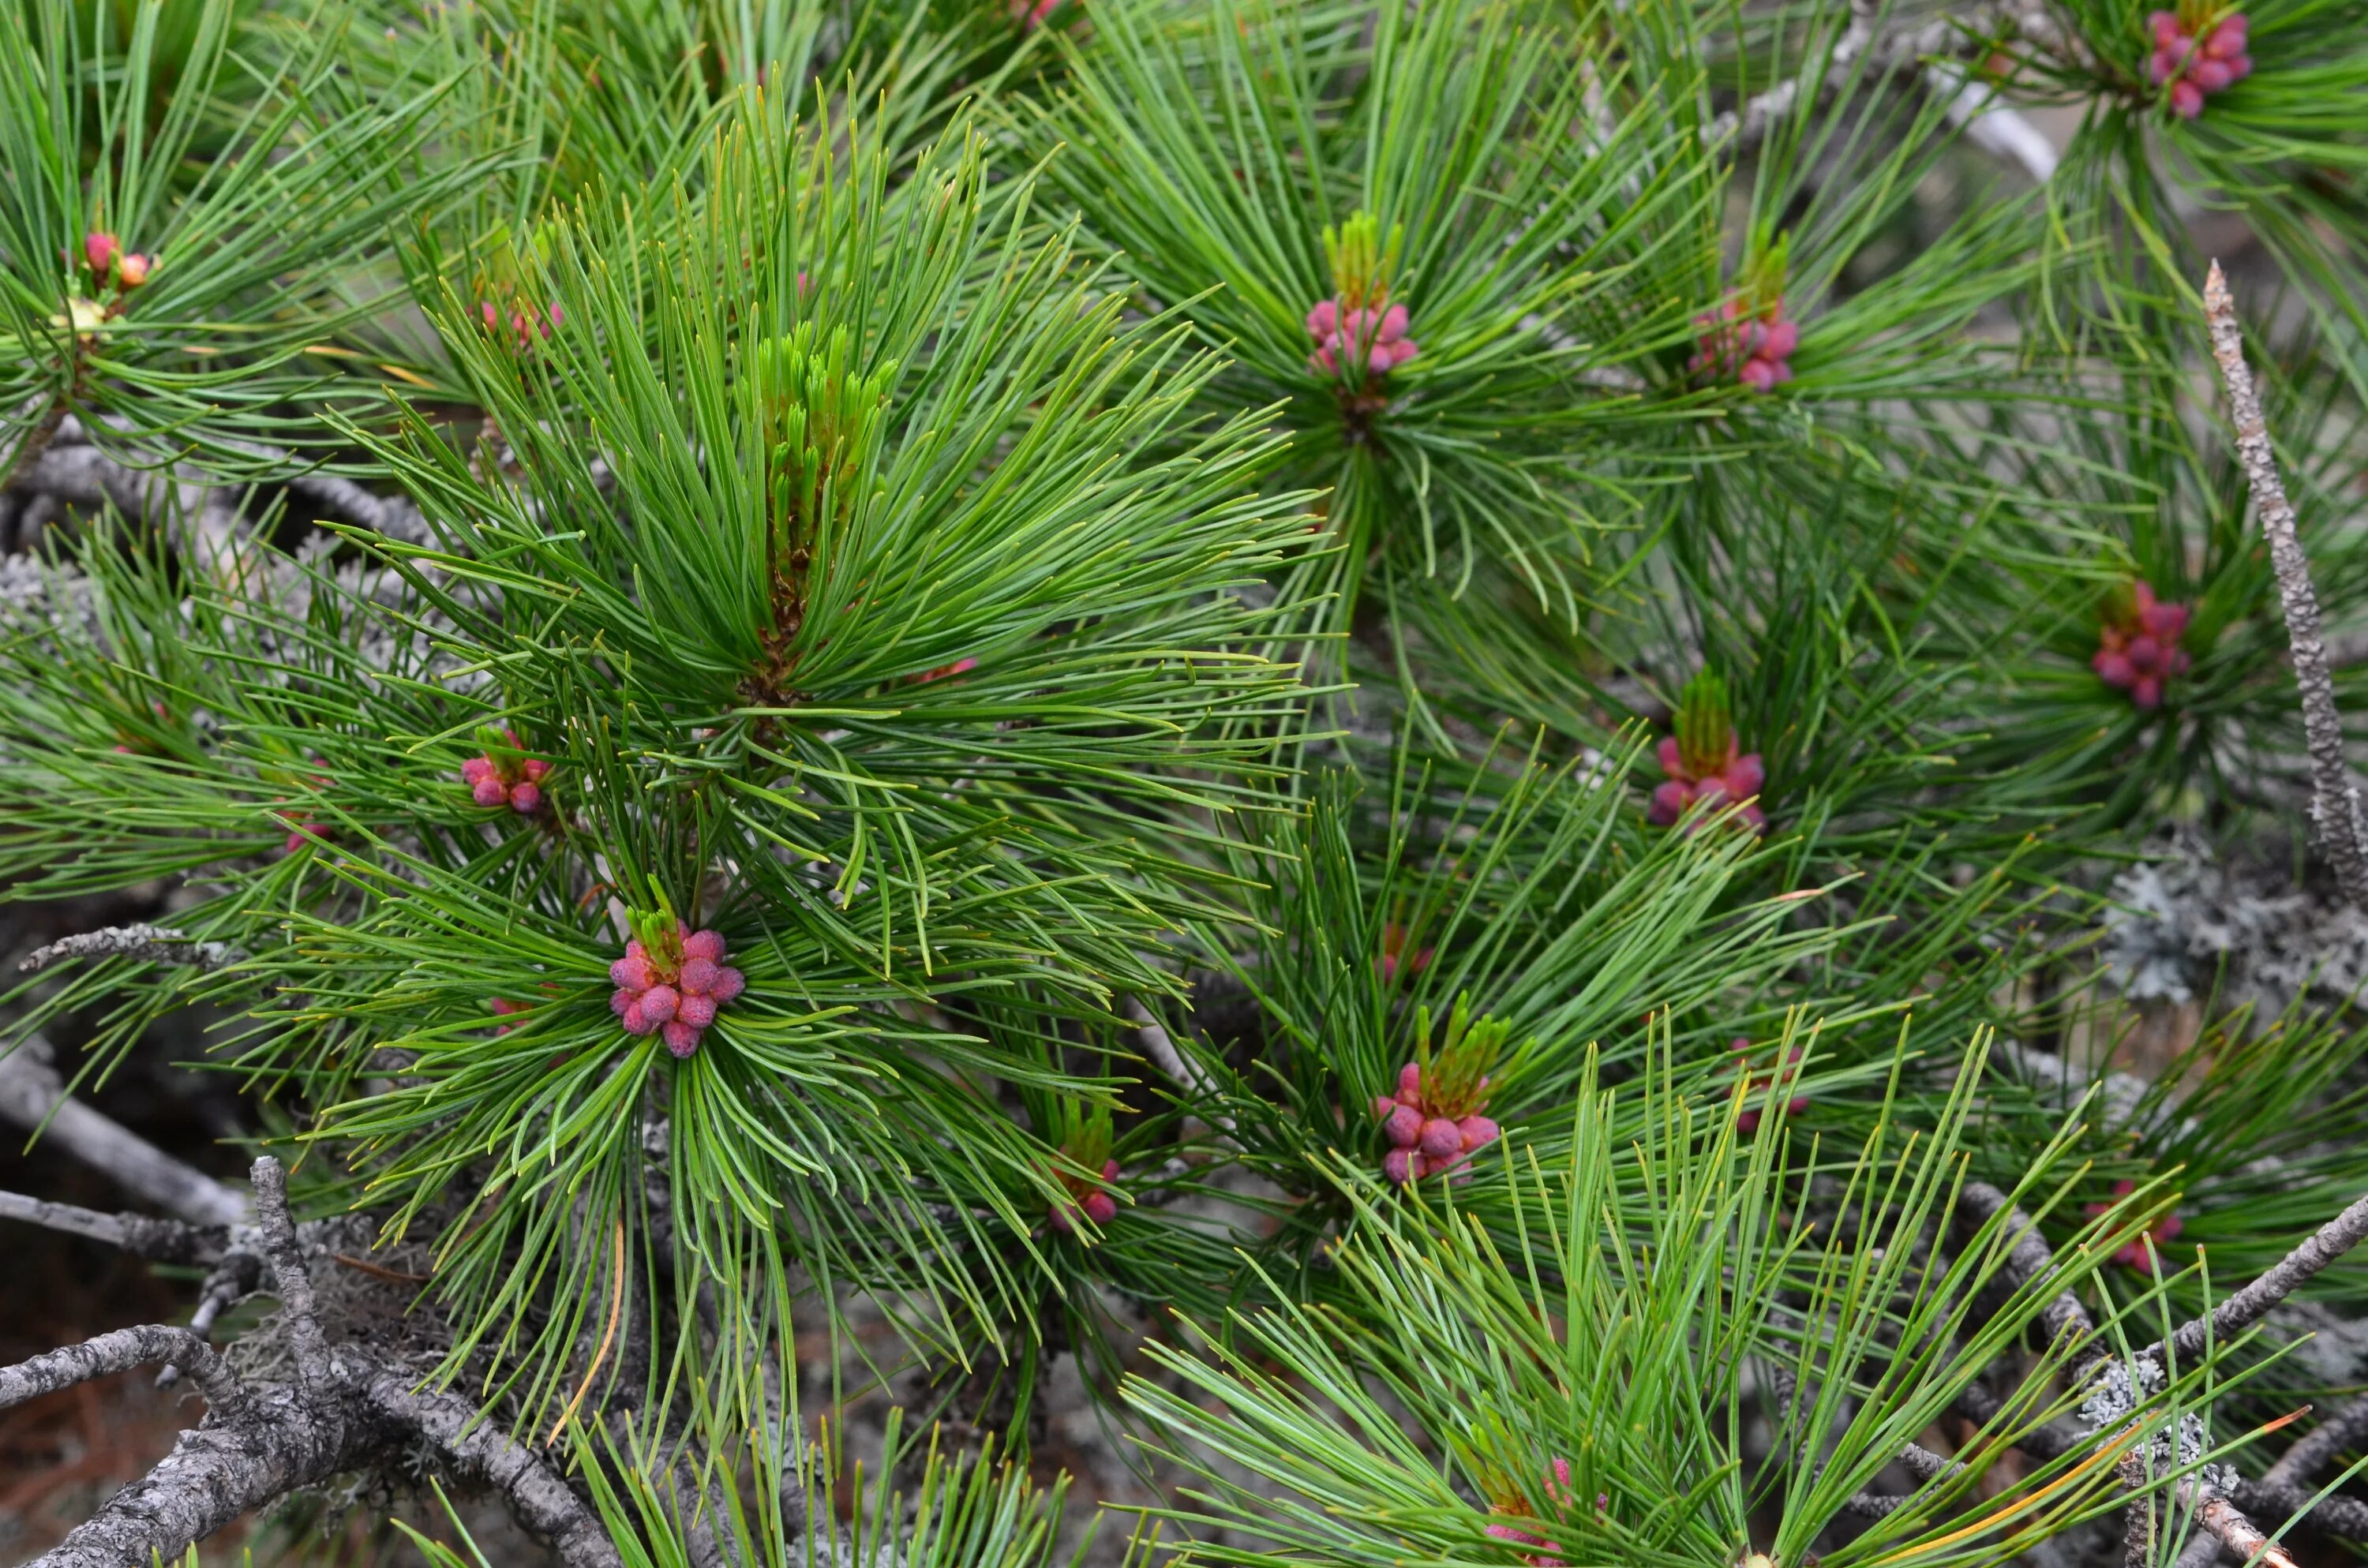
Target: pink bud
x=2186 y=100
x=624 y=996
x=706 y=944
x=2228 y=40
x=1558 y=1479
x=632 y=972
x=2163 y=25
x=1745 y=775
x=492 y=317
x=526 y=799
x=1758 y=374
x=2163 y=66
x=99 y=248
x=2147 y=691
x=1403 y=1127
x=1385 y=1106
x=729 y=982
x=1670 y=803
x=1393 y=323
x=1782 y=337
x=697 y=1011
x=1100 y=1207
x=1747 y=1121
x=475 y=768
x=1057 y=1216
x=698 y=976
x=555 y=319
x=1410 y=1080
x=658 y=1003
x=1476 y=1132
x=634 y=1020
x=1441 y=1139
x=1401 y=1166
x=131 y=270
x=488 y=792
x=1324 y=320
x=1110 y=1170
x=681 y=1039
x=2114 y=669
x=2213 y=75
x=2240 y=67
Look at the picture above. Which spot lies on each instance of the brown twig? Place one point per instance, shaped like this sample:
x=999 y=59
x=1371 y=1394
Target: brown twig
x=2335 y=801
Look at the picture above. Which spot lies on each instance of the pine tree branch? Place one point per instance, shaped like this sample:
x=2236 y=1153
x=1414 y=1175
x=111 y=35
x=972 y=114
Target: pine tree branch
x=346 y=1411
x=2030 y=1261
x=2335 y=800
x=1751 y=124
x=2248 y=1306
x=32 y=1096
x=146 y=943
x=300 y=1318
x=2221 y=1516
x=119 y=1352
x=142 y=1235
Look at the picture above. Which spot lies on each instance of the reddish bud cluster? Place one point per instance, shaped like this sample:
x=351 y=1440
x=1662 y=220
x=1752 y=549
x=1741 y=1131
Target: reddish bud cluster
x=2140 y=654
x=1755 y=350
x=2198 y=60
x=1394 y=955
x=2134 y=1252
x=502 y=781
x=1374 y=338
x=674 y=993
x=1738 y=777
x=1096 y=1205
x=946 y=672
x=525 y=326
x=1557 y=1489
x=1747 y=1119
x=1425 y=1137
x=106 y=258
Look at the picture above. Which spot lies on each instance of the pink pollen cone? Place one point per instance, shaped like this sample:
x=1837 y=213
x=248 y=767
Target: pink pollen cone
x=729 y=982
x=698 y=976
x=1401 y=1166
x=659 y=1002
x=99 y=248
x=1409 y=1081
x=488 y=792
x=706 y=944
x=632 y=972
x=1441 y=1139
x=526 y=799
x=1100 y=1207
x=697 y=1011
x=1478 y=1131
x=634 y=1022
x=1403 y=1126
x=681 y=1039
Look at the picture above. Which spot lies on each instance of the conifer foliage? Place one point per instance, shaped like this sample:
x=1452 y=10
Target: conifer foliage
x=1449 y=755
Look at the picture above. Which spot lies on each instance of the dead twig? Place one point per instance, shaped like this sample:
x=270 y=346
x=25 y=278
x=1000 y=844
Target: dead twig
x=2335 y=801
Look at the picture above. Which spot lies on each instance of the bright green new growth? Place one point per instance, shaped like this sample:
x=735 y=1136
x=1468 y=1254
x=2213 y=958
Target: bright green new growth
x=1705 y=729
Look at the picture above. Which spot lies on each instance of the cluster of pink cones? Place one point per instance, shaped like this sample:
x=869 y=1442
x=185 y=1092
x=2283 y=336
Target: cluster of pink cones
x=2198 y=57
x=512 y=781
x=1755 y=349
x=1426 y=1135
x=107 y=258
x=2136 y=1253
x=1372 y=336
x=526 y=326
x=1092 y=1201
x=2141 y=653
x=674 y=987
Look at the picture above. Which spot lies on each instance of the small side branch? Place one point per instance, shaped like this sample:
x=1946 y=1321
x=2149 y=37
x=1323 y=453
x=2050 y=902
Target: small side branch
x=142 y=1235
x=32 y=1096
x=300 y=1317
x=2248 y=1306
x=2335 y=801
x=119 y=1352
x=145 y=943
x=2031 y=1261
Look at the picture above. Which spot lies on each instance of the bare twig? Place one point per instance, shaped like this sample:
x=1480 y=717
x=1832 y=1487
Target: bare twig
x=1751 y=124
x=142 y=1235
x=2031 y=1261
x=1161 y=1050
x=2228 y=1524
x=149 y=944
x=300 y=1317
x=2247 y=1305
x=32 y=1096
x=119 y=1352
x=2335 y=801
